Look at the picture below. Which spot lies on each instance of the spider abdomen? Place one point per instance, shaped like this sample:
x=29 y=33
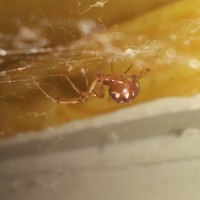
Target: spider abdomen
x=123 y=92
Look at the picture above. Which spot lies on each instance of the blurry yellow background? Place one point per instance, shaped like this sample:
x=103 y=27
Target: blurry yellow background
x=123 y=33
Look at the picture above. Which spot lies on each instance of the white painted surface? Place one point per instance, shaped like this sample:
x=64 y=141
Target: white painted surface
x=161 y=163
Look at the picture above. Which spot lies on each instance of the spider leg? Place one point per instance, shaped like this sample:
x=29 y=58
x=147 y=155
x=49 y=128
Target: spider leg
x=86 y=78
x=155 y=58
x=127 y=70
x=91 y=88
x=101 y=91
x=62 y=101
x=74 y=86
x=143 y=73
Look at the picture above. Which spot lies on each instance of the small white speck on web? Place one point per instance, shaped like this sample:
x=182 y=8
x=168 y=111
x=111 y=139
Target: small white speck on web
x=170 y=53
x=194 y=63
x=86 y=26
x=70 y=68
x=3 y=73
x=3 y=52
x=36 y=114
x=83 y=71
x=98 y=4
x=129 y=52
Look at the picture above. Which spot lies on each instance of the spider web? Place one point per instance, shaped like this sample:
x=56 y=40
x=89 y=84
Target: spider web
x=25 y=52
x=45 y=47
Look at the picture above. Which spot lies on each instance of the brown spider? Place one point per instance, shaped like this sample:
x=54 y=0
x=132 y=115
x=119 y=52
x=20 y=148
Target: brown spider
x=122 y=88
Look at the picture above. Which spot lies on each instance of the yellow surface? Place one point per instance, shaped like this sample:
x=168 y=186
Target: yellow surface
x=172 y=28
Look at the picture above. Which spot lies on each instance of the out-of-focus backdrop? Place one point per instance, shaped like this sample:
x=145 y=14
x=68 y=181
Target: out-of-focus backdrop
x=46 y=40
x=99 y=150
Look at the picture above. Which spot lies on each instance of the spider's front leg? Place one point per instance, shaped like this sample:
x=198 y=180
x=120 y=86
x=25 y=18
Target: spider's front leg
x=101 y=92
x=64 y=101
x=90 y=91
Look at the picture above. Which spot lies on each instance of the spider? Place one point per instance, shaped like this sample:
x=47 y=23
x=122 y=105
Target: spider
x=122 y=88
